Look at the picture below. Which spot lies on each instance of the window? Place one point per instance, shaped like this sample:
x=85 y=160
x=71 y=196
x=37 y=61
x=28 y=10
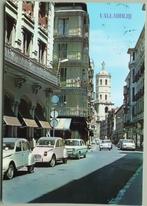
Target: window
x=106 y=109
x=18 y=147
x=9 y=30
x=100 y=96
x=27 y=38
x=106 y=82
x=105 y=96
x=63 y=74
x=63 y=26
x=133 y=56
x=100 y=81
x=63 y=98
x=62 y=51
x=57 y=143
x=42 y=53
x=25 y=146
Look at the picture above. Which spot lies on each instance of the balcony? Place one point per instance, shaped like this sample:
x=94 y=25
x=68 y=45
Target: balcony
x=29 y=66
x=73 y=112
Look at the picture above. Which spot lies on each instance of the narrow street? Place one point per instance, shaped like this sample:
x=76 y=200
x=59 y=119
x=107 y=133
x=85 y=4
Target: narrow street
x=96 y=179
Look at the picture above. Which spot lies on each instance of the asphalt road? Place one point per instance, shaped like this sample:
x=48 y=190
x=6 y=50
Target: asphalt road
x=94 y=179
x=99 y=187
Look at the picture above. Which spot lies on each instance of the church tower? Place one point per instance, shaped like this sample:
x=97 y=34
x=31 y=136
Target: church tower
x=103 y=102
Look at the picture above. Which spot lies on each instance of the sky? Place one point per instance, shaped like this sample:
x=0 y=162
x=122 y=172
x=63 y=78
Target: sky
x=114 y=27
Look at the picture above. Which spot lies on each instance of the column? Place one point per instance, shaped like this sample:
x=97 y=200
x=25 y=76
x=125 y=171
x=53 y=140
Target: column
x=35 y=38
x=19 y=35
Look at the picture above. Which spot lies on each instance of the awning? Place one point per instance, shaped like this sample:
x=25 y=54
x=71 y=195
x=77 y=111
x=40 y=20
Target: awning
x=11 y=121
x=30 y=122
x=63 y=124
x=44 y=124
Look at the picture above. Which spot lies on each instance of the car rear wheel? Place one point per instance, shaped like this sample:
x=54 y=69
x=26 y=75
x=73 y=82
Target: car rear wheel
x=64 y=160
x=30 y=168
x=53 y=161
x=10 y=172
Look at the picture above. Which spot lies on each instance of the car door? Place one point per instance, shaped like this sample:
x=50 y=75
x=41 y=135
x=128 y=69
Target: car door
x=58 y=149
x=83 y=149
x=18 y=154
x=26 y=152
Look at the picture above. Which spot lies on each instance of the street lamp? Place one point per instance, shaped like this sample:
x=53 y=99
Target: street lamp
x=59 y=62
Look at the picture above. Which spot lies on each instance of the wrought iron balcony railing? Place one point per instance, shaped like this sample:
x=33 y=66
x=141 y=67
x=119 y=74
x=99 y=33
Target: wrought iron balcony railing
x=28 y=65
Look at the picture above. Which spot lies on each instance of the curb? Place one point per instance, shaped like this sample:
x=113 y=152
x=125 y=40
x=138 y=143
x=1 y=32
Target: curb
x=122 y=192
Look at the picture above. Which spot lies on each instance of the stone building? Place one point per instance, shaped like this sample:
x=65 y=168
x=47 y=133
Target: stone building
x=134 y=92
x=71 y=61
x=103 y=103
x=29 y=79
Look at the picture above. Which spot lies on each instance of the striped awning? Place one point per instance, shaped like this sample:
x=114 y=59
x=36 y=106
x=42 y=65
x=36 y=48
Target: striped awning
x=11 y=121
x=30 y=122
x=45 y=124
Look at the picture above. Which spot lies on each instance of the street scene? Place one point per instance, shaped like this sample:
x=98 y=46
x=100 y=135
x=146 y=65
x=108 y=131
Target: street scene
x=73 y=102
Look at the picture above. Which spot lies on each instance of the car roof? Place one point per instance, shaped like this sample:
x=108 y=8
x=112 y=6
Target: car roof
x=50 y=138
x=74 y=139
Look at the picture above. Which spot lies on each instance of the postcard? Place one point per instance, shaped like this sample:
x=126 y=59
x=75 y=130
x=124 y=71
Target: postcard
x=73 y=103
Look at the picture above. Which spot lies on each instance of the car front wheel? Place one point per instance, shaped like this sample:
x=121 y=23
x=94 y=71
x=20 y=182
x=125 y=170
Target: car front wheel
x=10 y=172
x=53 y=161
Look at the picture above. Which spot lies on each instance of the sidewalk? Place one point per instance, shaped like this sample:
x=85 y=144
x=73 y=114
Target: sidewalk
x=131 y=194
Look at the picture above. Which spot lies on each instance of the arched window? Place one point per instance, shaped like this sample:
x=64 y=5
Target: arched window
x=106 y=109
x=106 y=81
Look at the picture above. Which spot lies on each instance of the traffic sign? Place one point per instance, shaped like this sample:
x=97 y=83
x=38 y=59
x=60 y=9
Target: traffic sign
x=54 y=122
x=55 y=99
x=54 y=114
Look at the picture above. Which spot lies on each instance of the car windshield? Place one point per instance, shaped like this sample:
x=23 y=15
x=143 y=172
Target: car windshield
x=106 y=141
x=8 y=145
x=45 y=142
x=128 y=141
x=72 y=143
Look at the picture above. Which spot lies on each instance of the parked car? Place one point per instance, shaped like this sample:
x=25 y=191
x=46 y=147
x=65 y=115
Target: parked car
x=16 y=154
x=127 y=144
x=105 y=144
x=50 y=150
x=76 y=148
x=119 y=143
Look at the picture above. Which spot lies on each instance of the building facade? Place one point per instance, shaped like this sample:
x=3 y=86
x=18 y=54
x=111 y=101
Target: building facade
x=71 y=43
x=29 y=79
x=134 y=92
x=118 y=130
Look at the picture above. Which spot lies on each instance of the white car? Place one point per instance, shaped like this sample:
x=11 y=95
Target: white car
x=16 y=154
x=76 y=148
x=50 y=150
x=127 y=144
x=105 y=144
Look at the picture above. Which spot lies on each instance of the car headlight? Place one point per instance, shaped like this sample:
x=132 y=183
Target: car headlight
x=45 y=153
